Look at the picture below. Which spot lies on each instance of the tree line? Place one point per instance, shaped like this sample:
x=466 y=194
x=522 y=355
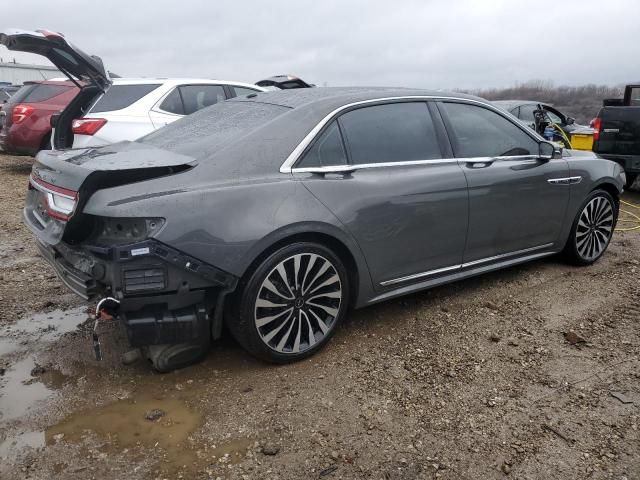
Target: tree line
x=581 y=102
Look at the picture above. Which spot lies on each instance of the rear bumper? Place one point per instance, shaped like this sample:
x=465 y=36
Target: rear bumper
x=165 y=296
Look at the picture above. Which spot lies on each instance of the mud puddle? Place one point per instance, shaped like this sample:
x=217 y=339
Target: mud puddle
x=41 y=327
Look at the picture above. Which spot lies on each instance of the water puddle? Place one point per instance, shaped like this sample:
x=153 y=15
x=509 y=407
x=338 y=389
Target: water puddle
x=21 y=391
x=125 y=424
x=12 y=446
x=41 y=327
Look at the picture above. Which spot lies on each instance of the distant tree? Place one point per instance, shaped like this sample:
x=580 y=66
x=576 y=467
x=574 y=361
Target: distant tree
x=581 y=102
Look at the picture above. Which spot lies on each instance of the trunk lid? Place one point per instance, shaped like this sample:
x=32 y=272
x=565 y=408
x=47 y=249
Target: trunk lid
x=71 y=61
x=61 y=182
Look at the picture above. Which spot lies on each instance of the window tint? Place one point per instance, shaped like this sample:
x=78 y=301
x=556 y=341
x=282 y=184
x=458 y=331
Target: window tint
x=396 y=132
x=173 y=103
x=240 y=91
x=480 y=132
x=121 y=96
x=555 y=118
x=197 y=97
x=327 y=150
x=22 y=93
x=40 y=93
x=634 y=97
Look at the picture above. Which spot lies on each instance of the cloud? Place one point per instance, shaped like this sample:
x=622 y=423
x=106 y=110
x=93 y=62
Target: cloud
x=417 y=43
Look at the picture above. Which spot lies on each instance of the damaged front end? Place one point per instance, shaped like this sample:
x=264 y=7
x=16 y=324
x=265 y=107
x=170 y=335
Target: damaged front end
x=166 y=297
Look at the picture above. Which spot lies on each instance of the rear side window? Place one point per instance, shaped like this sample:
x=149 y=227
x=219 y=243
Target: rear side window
x=121 y=96
x=240 y=91
x=326 y=151
x=173 y=103
x=197 y=97
x=396 y=132
x=38 y=93
x=480 y=132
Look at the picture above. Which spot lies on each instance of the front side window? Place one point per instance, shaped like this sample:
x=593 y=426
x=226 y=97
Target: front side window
x=327 y=150
x=197 y=97
x=480 y=132
x=395 y=132
x=526 y=113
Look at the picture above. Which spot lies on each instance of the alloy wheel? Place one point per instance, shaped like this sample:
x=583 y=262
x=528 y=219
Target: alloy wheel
x=298 y=303
x=595 y=227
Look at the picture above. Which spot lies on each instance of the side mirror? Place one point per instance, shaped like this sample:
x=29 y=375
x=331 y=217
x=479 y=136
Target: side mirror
x=53 y=121
x=570 y=121
x=549 y=151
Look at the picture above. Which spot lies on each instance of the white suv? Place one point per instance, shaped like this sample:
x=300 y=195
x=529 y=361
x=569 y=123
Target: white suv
x=132 y=108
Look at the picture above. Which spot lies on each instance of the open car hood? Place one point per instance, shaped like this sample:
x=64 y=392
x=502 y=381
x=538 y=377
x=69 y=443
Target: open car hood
x=73 y=62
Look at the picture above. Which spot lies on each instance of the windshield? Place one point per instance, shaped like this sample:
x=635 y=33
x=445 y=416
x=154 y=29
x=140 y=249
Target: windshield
x=213 y=127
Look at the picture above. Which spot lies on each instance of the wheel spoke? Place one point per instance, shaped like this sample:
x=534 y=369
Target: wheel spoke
x=330 y=281
x=312 y=262
x=330 y=310
x=283 y=275
x=261 y=322
x=267 y=338
x=262 y=303
x=325 y=266
x=268 y=284
x=285 y=337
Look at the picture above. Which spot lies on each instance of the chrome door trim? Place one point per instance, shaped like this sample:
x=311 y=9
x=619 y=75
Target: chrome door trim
x=351 y=168
x=565 y=180
x=461 y=266
x=505 y=255
x=419 y=275
x=293 y=157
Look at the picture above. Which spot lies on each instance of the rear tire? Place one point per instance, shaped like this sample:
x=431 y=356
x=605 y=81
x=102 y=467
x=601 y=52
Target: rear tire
x=592 y=228
x=291 y=304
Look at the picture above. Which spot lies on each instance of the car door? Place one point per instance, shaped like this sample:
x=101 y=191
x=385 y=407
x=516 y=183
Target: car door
x=516 y=202
x=381 y=170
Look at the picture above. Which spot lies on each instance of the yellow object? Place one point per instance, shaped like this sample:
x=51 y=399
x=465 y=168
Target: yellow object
x=582 y=141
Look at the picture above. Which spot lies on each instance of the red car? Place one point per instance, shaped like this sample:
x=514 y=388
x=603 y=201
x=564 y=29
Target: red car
x=25 y=120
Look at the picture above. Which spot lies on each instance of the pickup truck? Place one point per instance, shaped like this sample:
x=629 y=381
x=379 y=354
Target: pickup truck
x=617 y=132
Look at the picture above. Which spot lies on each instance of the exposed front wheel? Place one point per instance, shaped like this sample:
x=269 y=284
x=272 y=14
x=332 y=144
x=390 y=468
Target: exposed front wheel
x=593 y=228
x=292 y=303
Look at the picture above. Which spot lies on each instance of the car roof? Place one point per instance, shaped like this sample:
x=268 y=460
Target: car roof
x=509 y=104
x=334 y=97
x=180 y=81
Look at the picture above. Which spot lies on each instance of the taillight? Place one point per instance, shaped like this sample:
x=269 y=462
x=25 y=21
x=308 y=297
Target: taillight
x=61 y=202
x=87 y=126
x=597 y=124
x=20 y=112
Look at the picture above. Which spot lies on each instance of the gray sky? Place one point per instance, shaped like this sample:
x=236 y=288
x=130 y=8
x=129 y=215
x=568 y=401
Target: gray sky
x=431 y=44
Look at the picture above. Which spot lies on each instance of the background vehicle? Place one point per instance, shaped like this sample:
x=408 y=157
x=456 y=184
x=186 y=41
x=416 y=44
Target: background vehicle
x=25 y=118
x=526 y=110
x=283 y=82
x=277 y=211
x=131 y=108
x=617 y=128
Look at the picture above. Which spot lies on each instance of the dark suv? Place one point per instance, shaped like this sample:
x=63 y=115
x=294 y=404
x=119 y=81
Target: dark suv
x=25 y=120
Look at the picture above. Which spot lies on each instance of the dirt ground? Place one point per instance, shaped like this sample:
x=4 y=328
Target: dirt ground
x=528 y=373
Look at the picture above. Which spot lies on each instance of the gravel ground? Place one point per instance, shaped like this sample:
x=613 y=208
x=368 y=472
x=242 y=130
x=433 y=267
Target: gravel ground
x=528 y=373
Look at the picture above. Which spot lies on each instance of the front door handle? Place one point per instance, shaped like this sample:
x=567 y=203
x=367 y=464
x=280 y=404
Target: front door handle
x=477 y=163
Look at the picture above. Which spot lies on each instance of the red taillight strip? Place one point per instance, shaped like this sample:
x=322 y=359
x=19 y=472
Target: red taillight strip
x=48 y=187
x=50 y=190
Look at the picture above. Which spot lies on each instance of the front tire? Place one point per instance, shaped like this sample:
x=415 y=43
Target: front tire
x=291 y=304
x=592 y=228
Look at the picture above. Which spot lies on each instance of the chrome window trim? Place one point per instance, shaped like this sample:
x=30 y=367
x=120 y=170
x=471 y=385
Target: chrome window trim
x=287 y=166
x=461 y=266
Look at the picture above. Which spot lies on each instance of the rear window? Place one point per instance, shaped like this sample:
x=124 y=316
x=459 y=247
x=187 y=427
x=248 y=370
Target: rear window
x=38 y=93
x=213 y=127
x=121 y=96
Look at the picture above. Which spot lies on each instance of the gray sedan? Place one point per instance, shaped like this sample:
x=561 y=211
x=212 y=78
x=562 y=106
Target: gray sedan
x=277 y=212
